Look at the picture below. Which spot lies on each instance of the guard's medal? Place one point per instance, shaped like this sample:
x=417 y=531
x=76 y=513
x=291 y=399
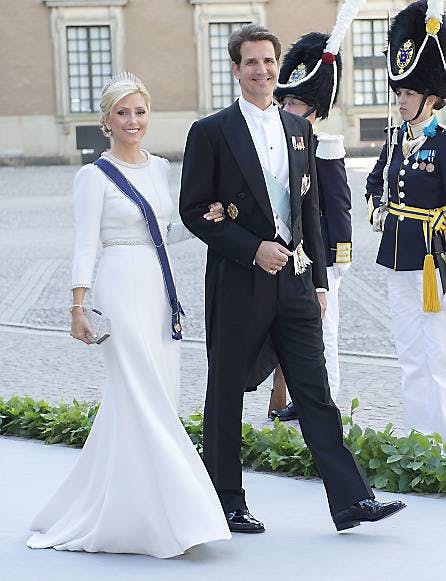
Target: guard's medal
x=232 y=211
x=427 y=155
x=430 y=167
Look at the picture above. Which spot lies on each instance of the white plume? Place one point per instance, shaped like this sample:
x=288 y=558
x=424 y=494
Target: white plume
x=346 y=14
x=435 y=9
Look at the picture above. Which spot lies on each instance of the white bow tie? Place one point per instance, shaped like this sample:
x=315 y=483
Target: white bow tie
x=259 y=116
x=270 y=113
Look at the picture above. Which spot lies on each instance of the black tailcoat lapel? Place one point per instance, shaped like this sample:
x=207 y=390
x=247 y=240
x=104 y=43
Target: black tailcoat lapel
x=293 y=177
x=240 y=142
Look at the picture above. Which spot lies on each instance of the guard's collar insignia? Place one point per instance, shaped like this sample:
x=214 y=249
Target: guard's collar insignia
x=405 y=55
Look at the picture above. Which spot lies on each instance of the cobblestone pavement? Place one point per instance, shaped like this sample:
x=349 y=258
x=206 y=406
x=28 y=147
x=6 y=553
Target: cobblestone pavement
x=35 y=252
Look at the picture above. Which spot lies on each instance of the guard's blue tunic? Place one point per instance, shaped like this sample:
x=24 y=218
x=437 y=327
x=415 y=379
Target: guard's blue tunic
x=402 y=245
x=334 y=204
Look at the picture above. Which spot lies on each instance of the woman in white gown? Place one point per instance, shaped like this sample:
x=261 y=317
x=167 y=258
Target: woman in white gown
x=139 y=485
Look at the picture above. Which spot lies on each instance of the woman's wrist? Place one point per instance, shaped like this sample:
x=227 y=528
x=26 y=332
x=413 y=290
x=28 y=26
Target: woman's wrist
x=76 y=308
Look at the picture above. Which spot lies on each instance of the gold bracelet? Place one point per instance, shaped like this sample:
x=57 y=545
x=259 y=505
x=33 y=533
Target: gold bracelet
x=76 y=306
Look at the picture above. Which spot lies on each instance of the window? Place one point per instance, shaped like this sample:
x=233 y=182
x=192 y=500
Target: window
x=89 y=65
x=214 y=21
x=373 y=129
x=224 y=87
x=369 y=63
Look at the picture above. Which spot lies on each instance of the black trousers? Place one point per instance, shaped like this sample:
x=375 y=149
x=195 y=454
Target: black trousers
x=286 y=307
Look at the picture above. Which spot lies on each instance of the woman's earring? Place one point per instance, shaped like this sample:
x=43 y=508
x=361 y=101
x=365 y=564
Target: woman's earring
x=106 y=130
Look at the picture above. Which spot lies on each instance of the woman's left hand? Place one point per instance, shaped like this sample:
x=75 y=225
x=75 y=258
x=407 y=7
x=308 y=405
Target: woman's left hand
x=216 y=212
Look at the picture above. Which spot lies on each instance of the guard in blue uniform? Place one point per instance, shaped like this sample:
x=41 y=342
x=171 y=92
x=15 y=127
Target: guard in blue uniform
x=313 y=99
x=406 y=193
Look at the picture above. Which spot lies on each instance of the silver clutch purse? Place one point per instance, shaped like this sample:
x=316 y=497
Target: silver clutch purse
x=100 y=325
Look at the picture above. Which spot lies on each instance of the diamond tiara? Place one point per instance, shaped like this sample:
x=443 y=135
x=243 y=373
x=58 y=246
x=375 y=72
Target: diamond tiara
x=124 y=76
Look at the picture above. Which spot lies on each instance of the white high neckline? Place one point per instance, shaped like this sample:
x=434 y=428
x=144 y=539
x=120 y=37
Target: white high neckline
x=118 y=161
x=418 y=128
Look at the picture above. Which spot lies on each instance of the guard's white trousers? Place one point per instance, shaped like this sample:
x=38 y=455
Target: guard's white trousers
x=330 y=326
x=420 y=340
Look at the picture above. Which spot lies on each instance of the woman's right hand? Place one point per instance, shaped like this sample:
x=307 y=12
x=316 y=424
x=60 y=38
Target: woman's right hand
x=80 y=327
x=216 y=212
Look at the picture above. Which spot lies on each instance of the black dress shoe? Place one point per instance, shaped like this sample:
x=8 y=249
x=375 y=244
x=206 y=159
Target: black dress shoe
x=285 y=414
x=242 y=521
x=369 y=510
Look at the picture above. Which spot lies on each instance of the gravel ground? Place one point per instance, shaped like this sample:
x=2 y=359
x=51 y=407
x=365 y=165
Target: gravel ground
x=35 y=253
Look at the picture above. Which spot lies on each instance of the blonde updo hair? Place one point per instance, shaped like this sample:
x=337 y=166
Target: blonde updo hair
x=118 y=87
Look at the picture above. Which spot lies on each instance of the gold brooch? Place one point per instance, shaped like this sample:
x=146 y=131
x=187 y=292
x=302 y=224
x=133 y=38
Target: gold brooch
x=232 y=211
x=405 y=55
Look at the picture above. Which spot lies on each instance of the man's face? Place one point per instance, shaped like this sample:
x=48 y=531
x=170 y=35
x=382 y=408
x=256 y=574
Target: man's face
x=258 y=70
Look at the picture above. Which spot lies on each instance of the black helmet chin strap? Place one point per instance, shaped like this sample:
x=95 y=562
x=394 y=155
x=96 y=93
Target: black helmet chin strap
x=421 y=107
x=309 y=112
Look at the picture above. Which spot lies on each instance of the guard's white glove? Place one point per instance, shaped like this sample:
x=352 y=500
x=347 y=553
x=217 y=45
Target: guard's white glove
x=340 y=268
x=378 y=218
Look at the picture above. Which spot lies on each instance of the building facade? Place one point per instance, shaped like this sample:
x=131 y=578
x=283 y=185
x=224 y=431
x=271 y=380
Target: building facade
x=56 y=55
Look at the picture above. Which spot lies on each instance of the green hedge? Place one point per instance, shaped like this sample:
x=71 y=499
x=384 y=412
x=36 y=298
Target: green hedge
x=416 y=463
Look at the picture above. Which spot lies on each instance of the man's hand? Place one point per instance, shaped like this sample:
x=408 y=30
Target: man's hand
x=322 y=298
x=272 y=256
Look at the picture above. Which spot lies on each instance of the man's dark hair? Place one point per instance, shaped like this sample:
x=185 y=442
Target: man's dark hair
x=251 y=33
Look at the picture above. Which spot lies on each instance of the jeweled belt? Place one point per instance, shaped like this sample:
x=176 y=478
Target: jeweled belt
x=125 y=242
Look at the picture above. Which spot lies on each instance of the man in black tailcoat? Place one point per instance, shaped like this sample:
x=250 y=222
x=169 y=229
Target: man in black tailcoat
x=259 y=162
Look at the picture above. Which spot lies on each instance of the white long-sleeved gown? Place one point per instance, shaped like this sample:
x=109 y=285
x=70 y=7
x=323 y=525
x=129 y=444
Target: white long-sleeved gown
x=139 y=485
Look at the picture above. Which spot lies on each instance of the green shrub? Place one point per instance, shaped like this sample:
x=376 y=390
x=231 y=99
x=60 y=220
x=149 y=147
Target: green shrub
x=64 y=423
x=415 y=463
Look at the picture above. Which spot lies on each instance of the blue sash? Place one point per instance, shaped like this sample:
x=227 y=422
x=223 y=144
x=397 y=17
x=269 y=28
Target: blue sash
x=279 y=197
x=122 y=183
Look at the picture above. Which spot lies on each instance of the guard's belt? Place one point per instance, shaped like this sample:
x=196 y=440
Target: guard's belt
x=434 y=222
x=435 y=217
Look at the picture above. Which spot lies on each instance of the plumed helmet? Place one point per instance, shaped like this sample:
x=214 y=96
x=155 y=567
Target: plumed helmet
x=312 y=68
x=300 y=61
x=417 y=48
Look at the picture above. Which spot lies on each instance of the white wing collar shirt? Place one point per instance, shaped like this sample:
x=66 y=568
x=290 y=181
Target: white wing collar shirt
x=269 y=140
